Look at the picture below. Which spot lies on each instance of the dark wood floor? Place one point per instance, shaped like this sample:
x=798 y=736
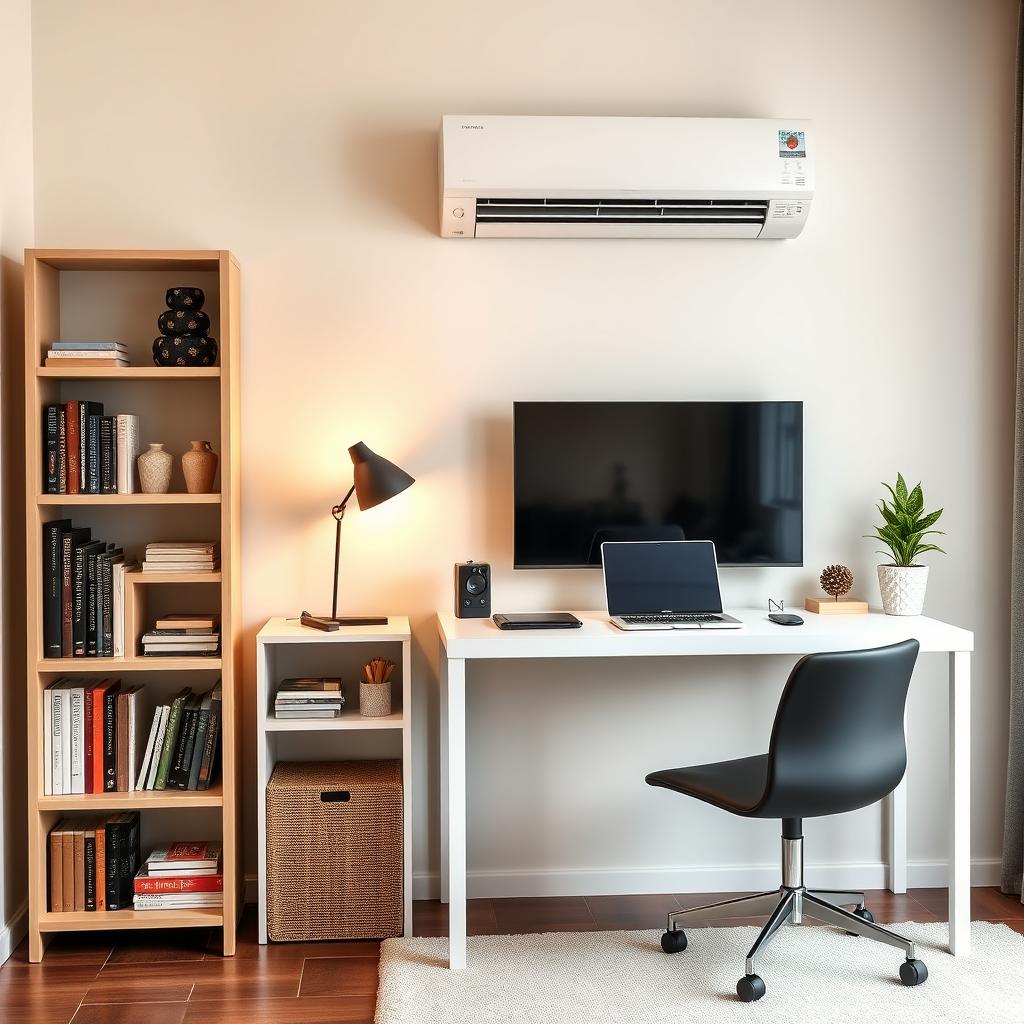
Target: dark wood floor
x=178 y=977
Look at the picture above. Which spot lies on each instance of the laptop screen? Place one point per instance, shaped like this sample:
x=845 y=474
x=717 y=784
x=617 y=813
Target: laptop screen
x=644 y=578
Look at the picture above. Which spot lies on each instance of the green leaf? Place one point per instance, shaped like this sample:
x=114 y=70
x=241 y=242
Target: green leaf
x=901 y=489
x=928 y=520
x=916 y=501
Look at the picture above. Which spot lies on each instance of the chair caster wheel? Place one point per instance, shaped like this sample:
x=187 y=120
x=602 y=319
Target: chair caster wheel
x=913 y=972
x=750 y=988
x=674 y=941
x=865 y=915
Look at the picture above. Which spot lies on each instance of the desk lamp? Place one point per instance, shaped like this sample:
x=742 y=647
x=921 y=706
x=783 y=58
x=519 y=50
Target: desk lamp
x=375 y=480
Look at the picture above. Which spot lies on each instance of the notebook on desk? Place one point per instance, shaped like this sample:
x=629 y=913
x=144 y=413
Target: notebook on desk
x=664 y=585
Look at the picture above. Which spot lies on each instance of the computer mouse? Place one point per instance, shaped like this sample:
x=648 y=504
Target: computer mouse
x=786 y=619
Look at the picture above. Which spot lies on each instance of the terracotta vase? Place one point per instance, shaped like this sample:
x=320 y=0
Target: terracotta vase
x=200 y=467
x=155 y=470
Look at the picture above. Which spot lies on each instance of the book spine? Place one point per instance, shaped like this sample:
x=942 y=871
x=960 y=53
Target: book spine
x=90 y=870
x=90 y=604
x=206 y=769
x=108 y=475
x=98 y=701
x=131 y=453
x=80 y=602
x=202 y=728
x=129 y=860
x=101 y=867
x=148 y=885
x=122 y=742
x=83 y=440
x=57 y=698
x=73 y=426
x=79 y=854
x=158 y=746
x=65 y=742
x=170 y=743
x=51 y=590
x=77 y=738
x=67 y=642
x=89 y=738
x=56 y=873
x=113 y=853
x=51 y=451
x=62 y=450
x=178 y=775
x=110 y=740
x=67 y=871
x=107 y=606
x=48 y=741
x=92 y=455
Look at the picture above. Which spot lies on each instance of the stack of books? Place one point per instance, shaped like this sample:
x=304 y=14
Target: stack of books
x=83 y=593
x=85 y=452
x=309 y=698
x=180 y=556
x=181 y=752
x=182 y=876
x=91 y=736
x=87 y=353
x=93 y=862
x=183 y=636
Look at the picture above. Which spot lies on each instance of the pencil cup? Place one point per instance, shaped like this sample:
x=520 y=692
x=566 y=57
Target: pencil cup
x=374 y=699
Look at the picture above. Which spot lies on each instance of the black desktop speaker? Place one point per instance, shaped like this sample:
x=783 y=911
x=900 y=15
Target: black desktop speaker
x=472 y=590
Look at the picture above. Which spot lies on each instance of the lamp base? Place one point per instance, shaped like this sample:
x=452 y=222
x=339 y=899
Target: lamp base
x=358 y=620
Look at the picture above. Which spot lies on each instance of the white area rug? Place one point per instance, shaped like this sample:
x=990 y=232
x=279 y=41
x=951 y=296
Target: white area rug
x=813 y=975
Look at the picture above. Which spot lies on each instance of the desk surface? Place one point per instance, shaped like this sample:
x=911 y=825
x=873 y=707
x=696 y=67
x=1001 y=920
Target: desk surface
x=598 y=638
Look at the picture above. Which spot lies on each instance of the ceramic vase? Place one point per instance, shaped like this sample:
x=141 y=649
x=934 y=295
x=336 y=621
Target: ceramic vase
x=374 y=699
x=155 y=470
x=903 y=588
x=199 y=465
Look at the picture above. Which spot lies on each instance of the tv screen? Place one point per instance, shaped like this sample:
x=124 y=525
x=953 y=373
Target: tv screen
x=589 y=472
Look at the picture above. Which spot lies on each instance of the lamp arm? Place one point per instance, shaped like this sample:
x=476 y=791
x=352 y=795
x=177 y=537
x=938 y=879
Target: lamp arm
x=338 y=511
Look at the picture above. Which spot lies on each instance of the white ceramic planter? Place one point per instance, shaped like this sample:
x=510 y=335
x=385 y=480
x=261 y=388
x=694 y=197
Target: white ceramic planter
x=903 y=588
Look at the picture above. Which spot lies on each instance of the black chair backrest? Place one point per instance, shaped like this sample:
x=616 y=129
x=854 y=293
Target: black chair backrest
x=838 y=741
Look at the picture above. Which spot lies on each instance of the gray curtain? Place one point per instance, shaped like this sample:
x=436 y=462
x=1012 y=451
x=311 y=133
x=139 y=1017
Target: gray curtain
x=1013 y=837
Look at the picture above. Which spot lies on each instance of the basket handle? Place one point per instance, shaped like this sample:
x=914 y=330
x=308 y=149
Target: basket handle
x=335 y=796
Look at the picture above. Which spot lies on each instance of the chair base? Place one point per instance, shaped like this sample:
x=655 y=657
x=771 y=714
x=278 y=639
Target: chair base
x=790 y=904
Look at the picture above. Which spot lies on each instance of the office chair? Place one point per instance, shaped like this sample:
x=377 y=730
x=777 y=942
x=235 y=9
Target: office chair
x=837 y=744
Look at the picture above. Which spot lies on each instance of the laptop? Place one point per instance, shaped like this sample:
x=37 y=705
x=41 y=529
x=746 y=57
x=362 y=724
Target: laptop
x=664 y=585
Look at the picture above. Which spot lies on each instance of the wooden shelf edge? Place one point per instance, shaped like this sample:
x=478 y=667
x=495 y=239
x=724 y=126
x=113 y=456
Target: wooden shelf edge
x=175 y=373
x=139 y=800
x=347 y=723
x=112 y=920
x=138 y=579
x=128 y=499
x=96 y=666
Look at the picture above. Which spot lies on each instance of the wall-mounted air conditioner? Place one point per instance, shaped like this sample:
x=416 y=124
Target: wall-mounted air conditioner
x=624 y=177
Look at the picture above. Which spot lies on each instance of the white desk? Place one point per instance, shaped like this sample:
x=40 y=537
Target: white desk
x=466 y=640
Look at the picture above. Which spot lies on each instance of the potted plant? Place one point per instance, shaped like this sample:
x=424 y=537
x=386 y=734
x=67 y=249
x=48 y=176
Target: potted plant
x=905 y=524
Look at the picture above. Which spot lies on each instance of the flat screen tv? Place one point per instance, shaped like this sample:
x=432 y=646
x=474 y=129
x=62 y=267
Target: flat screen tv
x=587 y=472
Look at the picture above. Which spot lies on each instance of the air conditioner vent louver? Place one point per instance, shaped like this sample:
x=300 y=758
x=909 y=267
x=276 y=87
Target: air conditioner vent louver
x=622 y=211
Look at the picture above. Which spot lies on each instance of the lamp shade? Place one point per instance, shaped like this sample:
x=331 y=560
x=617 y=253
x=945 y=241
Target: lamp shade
x=375 y=479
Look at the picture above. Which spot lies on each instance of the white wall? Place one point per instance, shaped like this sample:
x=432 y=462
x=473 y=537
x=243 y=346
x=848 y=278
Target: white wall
x=15 y=235
x=305 y=141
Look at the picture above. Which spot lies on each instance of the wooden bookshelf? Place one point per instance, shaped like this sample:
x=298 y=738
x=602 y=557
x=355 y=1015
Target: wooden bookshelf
x=84 y=294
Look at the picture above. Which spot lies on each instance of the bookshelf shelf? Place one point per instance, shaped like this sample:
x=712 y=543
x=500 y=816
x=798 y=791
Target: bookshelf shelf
x=78 y=293
x=175 y=373
x=106 y=666
x=136 y=801
x=127 y=499
x=112 y=920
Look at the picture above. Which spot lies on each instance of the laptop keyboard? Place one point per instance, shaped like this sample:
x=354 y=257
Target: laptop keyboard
x=644 y=620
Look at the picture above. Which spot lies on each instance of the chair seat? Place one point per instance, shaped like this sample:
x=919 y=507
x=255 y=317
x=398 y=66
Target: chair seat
x=737 y=786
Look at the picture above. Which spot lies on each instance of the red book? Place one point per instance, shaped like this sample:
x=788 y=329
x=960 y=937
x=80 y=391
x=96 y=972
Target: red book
x=73 y=430
x=96 y=696
x=89 y=738
x=177 y=883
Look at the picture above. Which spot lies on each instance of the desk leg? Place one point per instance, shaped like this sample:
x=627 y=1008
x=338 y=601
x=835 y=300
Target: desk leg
x=897 y=806
x=455 y=687
x=443 y=747
x=960 y=809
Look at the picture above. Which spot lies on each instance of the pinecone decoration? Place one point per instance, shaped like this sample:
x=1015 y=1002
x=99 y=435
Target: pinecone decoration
x=836 y=580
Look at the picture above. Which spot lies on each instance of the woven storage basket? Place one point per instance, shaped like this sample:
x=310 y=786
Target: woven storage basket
x=334 y=850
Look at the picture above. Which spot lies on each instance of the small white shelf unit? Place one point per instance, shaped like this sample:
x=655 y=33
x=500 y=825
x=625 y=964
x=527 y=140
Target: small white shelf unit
x=285 y=649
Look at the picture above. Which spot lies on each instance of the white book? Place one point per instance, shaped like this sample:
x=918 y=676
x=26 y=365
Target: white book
x=183 y=901
x=126 y=426
x=147 y=756
x=48 y=741
x=65 y=740
x=76 y=736
x=133 y=736
x=85 y=353
x=165 y=713
x=57 y=738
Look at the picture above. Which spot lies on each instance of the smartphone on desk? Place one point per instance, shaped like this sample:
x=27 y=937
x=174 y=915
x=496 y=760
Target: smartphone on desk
x=537 y=620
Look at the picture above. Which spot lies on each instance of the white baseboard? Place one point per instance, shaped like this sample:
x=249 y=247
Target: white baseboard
x=712 y=878
x=13 y=932
x=709 y=878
